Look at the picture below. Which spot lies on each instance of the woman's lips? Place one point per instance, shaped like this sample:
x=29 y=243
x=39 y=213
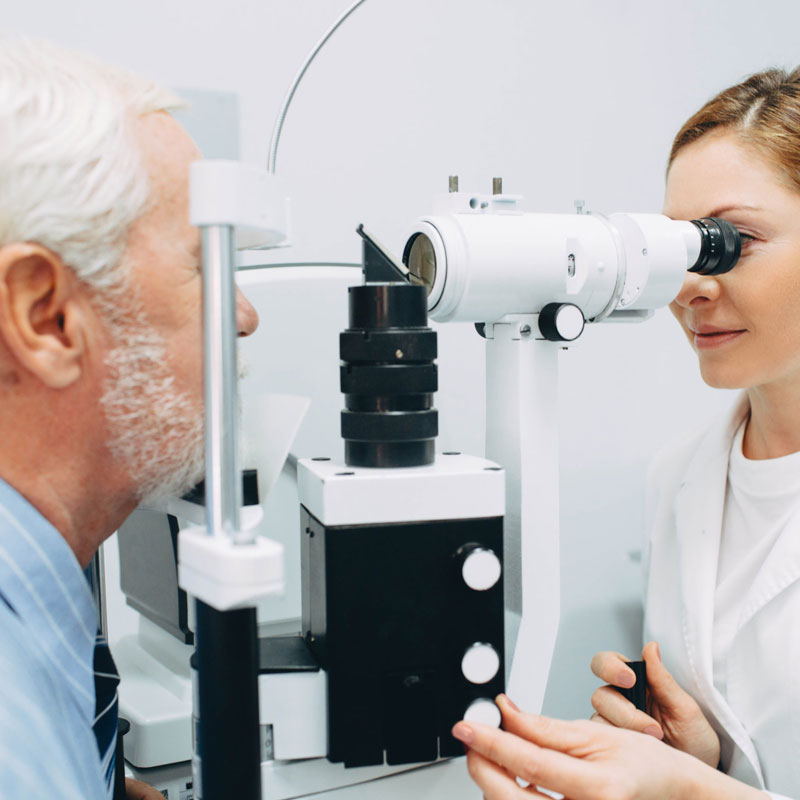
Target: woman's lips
x=707 y=339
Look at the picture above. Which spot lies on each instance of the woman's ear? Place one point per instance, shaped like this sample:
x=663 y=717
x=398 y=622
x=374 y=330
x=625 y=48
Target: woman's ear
x=43 y=318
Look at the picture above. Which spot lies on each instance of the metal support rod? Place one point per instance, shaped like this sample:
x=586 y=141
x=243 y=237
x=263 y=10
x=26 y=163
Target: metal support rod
x=227 y=643
x=223 y=479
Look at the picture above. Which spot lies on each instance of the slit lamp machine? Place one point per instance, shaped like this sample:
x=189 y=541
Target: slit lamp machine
x=429 y=582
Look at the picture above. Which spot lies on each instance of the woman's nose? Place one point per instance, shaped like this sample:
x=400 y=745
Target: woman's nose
x=698 y=289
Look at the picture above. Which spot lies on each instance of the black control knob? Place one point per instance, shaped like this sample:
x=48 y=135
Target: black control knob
x=561 y=322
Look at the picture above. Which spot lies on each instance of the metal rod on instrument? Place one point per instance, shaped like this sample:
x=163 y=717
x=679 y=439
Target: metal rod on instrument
x=227 y=642
x=223 y=477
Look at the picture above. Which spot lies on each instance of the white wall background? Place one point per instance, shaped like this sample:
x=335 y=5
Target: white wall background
x=564 y=100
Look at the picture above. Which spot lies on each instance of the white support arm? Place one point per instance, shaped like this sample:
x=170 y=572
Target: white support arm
x=522 y=435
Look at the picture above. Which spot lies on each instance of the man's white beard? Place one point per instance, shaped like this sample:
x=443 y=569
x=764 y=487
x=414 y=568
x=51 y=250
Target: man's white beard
x=155 y=430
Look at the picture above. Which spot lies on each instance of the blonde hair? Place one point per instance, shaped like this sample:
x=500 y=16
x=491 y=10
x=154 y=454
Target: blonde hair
x=71 y=175
x=763 y=111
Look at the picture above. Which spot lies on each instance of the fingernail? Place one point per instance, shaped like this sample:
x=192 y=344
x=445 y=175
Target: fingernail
x=626 y=679
x=510 y=703
x=654 y=730
x=658 y=653
x=463 y=732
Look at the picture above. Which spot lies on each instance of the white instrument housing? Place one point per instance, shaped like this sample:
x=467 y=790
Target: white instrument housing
x=491 y=259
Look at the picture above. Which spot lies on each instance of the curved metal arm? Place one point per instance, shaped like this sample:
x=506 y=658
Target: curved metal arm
x=276 y=131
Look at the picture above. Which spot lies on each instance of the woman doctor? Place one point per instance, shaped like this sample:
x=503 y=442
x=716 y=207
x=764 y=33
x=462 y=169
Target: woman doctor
x=723 y=557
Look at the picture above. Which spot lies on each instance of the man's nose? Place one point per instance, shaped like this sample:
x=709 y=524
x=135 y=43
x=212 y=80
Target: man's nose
x=246 y=315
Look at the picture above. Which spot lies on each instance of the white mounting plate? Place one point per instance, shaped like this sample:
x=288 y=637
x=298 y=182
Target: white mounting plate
x=224 y=192
x=226 y=575
x=455 y=486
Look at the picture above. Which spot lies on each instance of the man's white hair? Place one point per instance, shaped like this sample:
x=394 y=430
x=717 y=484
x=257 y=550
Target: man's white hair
x=72 y=177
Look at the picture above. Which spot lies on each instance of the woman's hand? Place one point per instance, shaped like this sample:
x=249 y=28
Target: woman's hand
x=673 y=716
x=585 y=761
x=136 y=790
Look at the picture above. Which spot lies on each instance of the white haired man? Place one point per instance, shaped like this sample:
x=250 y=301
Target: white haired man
x=100 y=385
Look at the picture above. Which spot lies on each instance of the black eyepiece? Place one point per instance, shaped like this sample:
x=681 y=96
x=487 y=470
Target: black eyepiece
x=720 y=246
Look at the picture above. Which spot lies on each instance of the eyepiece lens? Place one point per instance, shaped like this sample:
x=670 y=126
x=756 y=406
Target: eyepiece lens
x=420 y=259
x=720 y=246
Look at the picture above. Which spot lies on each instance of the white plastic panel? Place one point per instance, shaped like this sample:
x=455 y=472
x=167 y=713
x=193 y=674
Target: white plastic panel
x=296 y=705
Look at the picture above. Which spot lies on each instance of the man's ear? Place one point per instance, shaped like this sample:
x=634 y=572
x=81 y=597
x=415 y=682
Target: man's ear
x=43 y=323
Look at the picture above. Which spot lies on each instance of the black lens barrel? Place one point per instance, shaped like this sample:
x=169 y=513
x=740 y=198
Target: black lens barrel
x=388 y=377
x=720 y=246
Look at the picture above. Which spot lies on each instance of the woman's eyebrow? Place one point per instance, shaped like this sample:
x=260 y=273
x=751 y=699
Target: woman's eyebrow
x=733 y=207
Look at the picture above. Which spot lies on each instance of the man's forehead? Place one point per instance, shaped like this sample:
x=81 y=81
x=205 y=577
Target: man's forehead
x=168 y=150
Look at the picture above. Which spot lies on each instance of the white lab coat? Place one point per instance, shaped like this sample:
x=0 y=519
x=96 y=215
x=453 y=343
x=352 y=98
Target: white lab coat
x=759 y=725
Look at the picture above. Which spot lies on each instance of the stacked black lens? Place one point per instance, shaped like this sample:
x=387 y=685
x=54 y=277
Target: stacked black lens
x=388 y=377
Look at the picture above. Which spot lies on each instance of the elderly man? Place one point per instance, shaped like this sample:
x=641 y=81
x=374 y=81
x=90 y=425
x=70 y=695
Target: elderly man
x=100 y=385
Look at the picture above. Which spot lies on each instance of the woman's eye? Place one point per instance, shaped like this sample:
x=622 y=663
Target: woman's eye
x=746 y=238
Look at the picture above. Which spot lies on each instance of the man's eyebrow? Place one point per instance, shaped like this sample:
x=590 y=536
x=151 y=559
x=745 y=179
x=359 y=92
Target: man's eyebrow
x=733 y=207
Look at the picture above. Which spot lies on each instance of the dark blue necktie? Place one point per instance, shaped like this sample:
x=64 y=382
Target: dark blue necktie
x=106 y=680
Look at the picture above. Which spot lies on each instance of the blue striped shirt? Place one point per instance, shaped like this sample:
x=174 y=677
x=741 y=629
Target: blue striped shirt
x=48 y=625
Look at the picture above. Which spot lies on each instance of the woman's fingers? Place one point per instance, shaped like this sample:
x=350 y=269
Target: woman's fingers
x=536 y=765
x=612 y=706
x=555 y=734
x=681 y=718
x=662 y=686
x=611 y=668
x=136 y=790
x=496 y=782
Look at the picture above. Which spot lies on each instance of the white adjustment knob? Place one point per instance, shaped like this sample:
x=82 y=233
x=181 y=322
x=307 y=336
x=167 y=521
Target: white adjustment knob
x=481 y=569
x=480 y=663
x=561 y=322
x=484 y=711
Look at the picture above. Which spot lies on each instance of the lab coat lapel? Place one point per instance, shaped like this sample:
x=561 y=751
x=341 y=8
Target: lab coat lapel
x=779 y=571
x=699 y=509
x=698 y=517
